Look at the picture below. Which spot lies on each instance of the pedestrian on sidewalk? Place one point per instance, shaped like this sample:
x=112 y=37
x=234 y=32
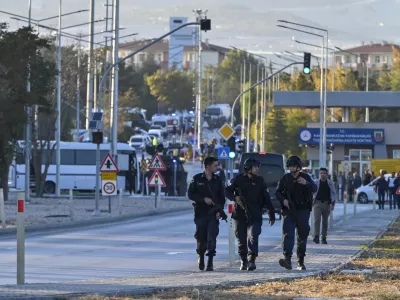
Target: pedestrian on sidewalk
x=250 y=193
x=381 y=187
x=397 y=188
x=323 y=204
x=295 y=192
x=392 y=190
x=207 y=192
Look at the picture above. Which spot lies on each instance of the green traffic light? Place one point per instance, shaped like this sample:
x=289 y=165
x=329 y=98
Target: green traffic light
x=306 y=70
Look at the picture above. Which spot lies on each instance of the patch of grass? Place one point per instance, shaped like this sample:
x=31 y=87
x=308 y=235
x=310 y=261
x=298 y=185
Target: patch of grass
x=383 y=284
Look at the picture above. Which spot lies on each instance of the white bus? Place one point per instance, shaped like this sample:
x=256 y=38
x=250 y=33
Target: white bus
x=77 y=167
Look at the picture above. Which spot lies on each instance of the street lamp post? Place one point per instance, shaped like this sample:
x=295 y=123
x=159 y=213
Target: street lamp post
x=332 y=113
x=322 y=116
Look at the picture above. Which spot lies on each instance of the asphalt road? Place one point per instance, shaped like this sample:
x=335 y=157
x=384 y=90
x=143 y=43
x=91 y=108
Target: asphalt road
x=142 y=247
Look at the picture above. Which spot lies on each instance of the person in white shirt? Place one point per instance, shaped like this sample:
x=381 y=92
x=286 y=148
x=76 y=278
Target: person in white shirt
x=392 y=190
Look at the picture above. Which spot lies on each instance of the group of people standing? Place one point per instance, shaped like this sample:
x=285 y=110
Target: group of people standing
x=298 y=193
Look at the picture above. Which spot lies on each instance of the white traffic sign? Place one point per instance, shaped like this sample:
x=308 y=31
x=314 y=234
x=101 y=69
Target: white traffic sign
x=109 y=164
x=157 y=163
x=109 y=187
x=205 y=124
x=156 y=179
x=226 y=131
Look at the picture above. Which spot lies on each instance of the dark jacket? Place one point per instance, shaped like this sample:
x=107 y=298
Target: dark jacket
x=255 y=192
x=287 y=187
x=200 y=187
x=381 y=184
x=397 y=183
x=357 y=182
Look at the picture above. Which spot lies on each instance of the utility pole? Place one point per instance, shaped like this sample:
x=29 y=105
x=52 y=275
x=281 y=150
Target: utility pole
x=114 y=80
x=28 y=127
x=248 y=115
x=255 y=149
x=199 y=14
x=58 y=112
x=90 y=78
x=243 y=100
x=78 y=92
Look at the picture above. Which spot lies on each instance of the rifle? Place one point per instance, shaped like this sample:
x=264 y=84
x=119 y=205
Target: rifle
x=246 y=207
x=217 y=208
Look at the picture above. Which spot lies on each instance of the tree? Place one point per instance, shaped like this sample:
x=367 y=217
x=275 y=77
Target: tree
x=276 y=131
x=228 y=75
x=21 y=55
x=174 y=88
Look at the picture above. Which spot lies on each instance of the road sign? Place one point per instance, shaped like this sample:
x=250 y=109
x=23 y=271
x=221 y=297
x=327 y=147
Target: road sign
x=108 y=164
x=226 y=131
x=398 y=191
x=156 y=179
x=109 y=176
x=157 y=163
x=109 y=187
x=223 y=152
x=205 y=124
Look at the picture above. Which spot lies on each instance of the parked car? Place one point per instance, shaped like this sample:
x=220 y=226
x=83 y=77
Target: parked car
x=366 y=193
x=139 y=142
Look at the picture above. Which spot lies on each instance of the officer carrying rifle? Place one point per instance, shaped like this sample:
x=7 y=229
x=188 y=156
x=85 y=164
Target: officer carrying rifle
x=206 y=190
x=295 y=192
x=250 y=193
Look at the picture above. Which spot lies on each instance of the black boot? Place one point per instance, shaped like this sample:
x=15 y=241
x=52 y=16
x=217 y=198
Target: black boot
x=316 y=239
x=244 y=264
x=286 y=262
x=201 y=262
x=252 y=263
x=323 y=240
x=300 y=264
x=210 y=265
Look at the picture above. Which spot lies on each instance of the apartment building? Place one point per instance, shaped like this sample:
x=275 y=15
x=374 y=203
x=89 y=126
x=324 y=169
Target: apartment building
x=212 y=55
x=373 y=55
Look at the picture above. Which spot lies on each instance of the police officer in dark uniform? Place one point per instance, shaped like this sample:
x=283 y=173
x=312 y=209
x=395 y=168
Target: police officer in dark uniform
x=207 y=191
x=295 y=192
x=250 y=194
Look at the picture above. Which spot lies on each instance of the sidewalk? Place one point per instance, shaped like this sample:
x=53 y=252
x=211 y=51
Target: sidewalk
x=345 y=241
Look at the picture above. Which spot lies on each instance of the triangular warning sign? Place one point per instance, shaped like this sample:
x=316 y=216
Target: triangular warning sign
x=398 y=191
x=108 y=165
x=223 y=154
x=156 y=179
x=205 y=124
x=157 y=163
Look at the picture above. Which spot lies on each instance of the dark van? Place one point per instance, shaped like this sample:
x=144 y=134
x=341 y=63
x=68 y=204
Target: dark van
x=272 y=169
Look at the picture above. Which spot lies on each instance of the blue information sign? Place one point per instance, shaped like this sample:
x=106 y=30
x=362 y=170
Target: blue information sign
x=343 y=136
x=223 y=152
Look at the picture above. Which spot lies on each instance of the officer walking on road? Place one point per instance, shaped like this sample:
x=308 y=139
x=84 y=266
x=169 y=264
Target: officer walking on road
x=324 y=203
x=295 y=194
x=207 y=192
x=250 y=194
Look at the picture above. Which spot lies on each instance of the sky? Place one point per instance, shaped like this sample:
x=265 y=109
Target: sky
x=249 y=25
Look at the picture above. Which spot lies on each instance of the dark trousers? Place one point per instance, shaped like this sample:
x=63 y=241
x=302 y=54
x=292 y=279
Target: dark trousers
x=350 y=194
x=295 y=222
x=247 y=236
x=392 y=197
x=397 y=198
x=207 y=230
x=381 y=198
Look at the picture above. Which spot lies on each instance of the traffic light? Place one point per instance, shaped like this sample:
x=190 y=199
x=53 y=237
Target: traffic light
x=232 y=144
x=307 y=63
x=205 y=24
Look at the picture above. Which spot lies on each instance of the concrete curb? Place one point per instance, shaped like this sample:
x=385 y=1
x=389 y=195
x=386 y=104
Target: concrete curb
x=43 y=228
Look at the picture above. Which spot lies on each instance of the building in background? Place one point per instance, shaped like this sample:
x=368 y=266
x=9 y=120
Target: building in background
x=178 y=40
x=372 y=55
